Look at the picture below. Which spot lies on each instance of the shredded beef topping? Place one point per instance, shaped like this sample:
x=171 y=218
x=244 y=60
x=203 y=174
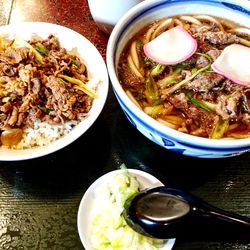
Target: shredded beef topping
x=221 y=38
x=204 y=82
x=129 y=79
x=31 y=89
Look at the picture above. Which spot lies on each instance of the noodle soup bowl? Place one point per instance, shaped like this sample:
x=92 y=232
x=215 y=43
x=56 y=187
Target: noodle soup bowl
x=130 y=24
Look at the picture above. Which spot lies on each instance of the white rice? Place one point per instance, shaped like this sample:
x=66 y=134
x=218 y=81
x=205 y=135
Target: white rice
x=43 y=133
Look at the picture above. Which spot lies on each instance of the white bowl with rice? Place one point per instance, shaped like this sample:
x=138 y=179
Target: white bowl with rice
x=42 y=138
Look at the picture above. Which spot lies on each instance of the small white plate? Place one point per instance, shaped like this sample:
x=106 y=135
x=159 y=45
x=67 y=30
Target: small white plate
x=85 y=214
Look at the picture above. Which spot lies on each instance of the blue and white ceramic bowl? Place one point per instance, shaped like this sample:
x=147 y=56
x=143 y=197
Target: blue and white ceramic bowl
x=143 y=14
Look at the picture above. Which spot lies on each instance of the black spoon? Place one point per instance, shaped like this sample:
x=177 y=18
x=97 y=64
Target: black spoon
x=165 y=213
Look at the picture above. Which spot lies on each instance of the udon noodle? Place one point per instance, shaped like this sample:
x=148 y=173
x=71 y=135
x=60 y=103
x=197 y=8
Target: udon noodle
x=189 y=96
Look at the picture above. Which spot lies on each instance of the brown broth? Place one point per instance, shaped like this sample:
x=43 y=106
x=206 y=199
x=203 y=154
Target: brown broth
x=193 y=109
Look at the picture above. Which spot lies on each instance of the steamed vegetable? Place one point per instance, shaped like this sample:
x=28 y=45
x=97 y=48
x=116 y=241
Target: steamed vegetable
x=109 y=229
x=171 y=47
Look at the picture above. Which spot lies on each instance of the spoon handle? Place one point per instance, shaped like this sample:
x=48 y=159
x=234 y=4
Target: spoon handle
x=183 y=216
x=208 y=222
x=221 y=224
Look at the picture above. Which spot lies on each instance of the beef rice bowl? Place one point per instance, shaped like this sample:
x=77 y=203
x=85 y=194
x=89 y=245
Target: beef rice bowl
x=43 y=92
x=53 y=86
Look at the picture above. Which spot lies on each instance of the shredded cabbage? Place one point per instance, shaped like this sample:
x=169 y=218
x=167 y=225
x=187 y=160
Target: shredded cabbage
x=109 y=229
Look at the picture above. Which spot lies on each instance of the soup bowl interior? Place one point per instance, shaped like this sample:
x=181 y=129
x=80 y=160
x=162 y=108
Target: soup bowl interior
x=130 y=24
x=80 y=46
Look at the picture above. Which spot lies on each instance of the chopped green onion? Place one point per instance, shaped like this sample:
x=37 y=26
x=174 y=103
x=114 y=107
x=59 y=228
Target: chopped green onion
x=158 y=69
x=41 y=49
x=181 y=66
x=81 y=84
x=154 y=111
x=151 y=91
x=170 y=79
x=219 y=128
x=211 y=106
x=18 y=42
x=140 y=42
x=198 y=103
x=75 y=62
x=178 y=85
x=209 y=71
x=46 y=110
x=206 y=56
x=194 y=70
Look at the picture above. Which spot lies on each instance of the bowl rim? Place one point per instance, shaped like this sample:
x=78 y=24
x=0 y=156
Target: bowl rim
x=163 y=130
x=143 y=175
x=59 y=31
